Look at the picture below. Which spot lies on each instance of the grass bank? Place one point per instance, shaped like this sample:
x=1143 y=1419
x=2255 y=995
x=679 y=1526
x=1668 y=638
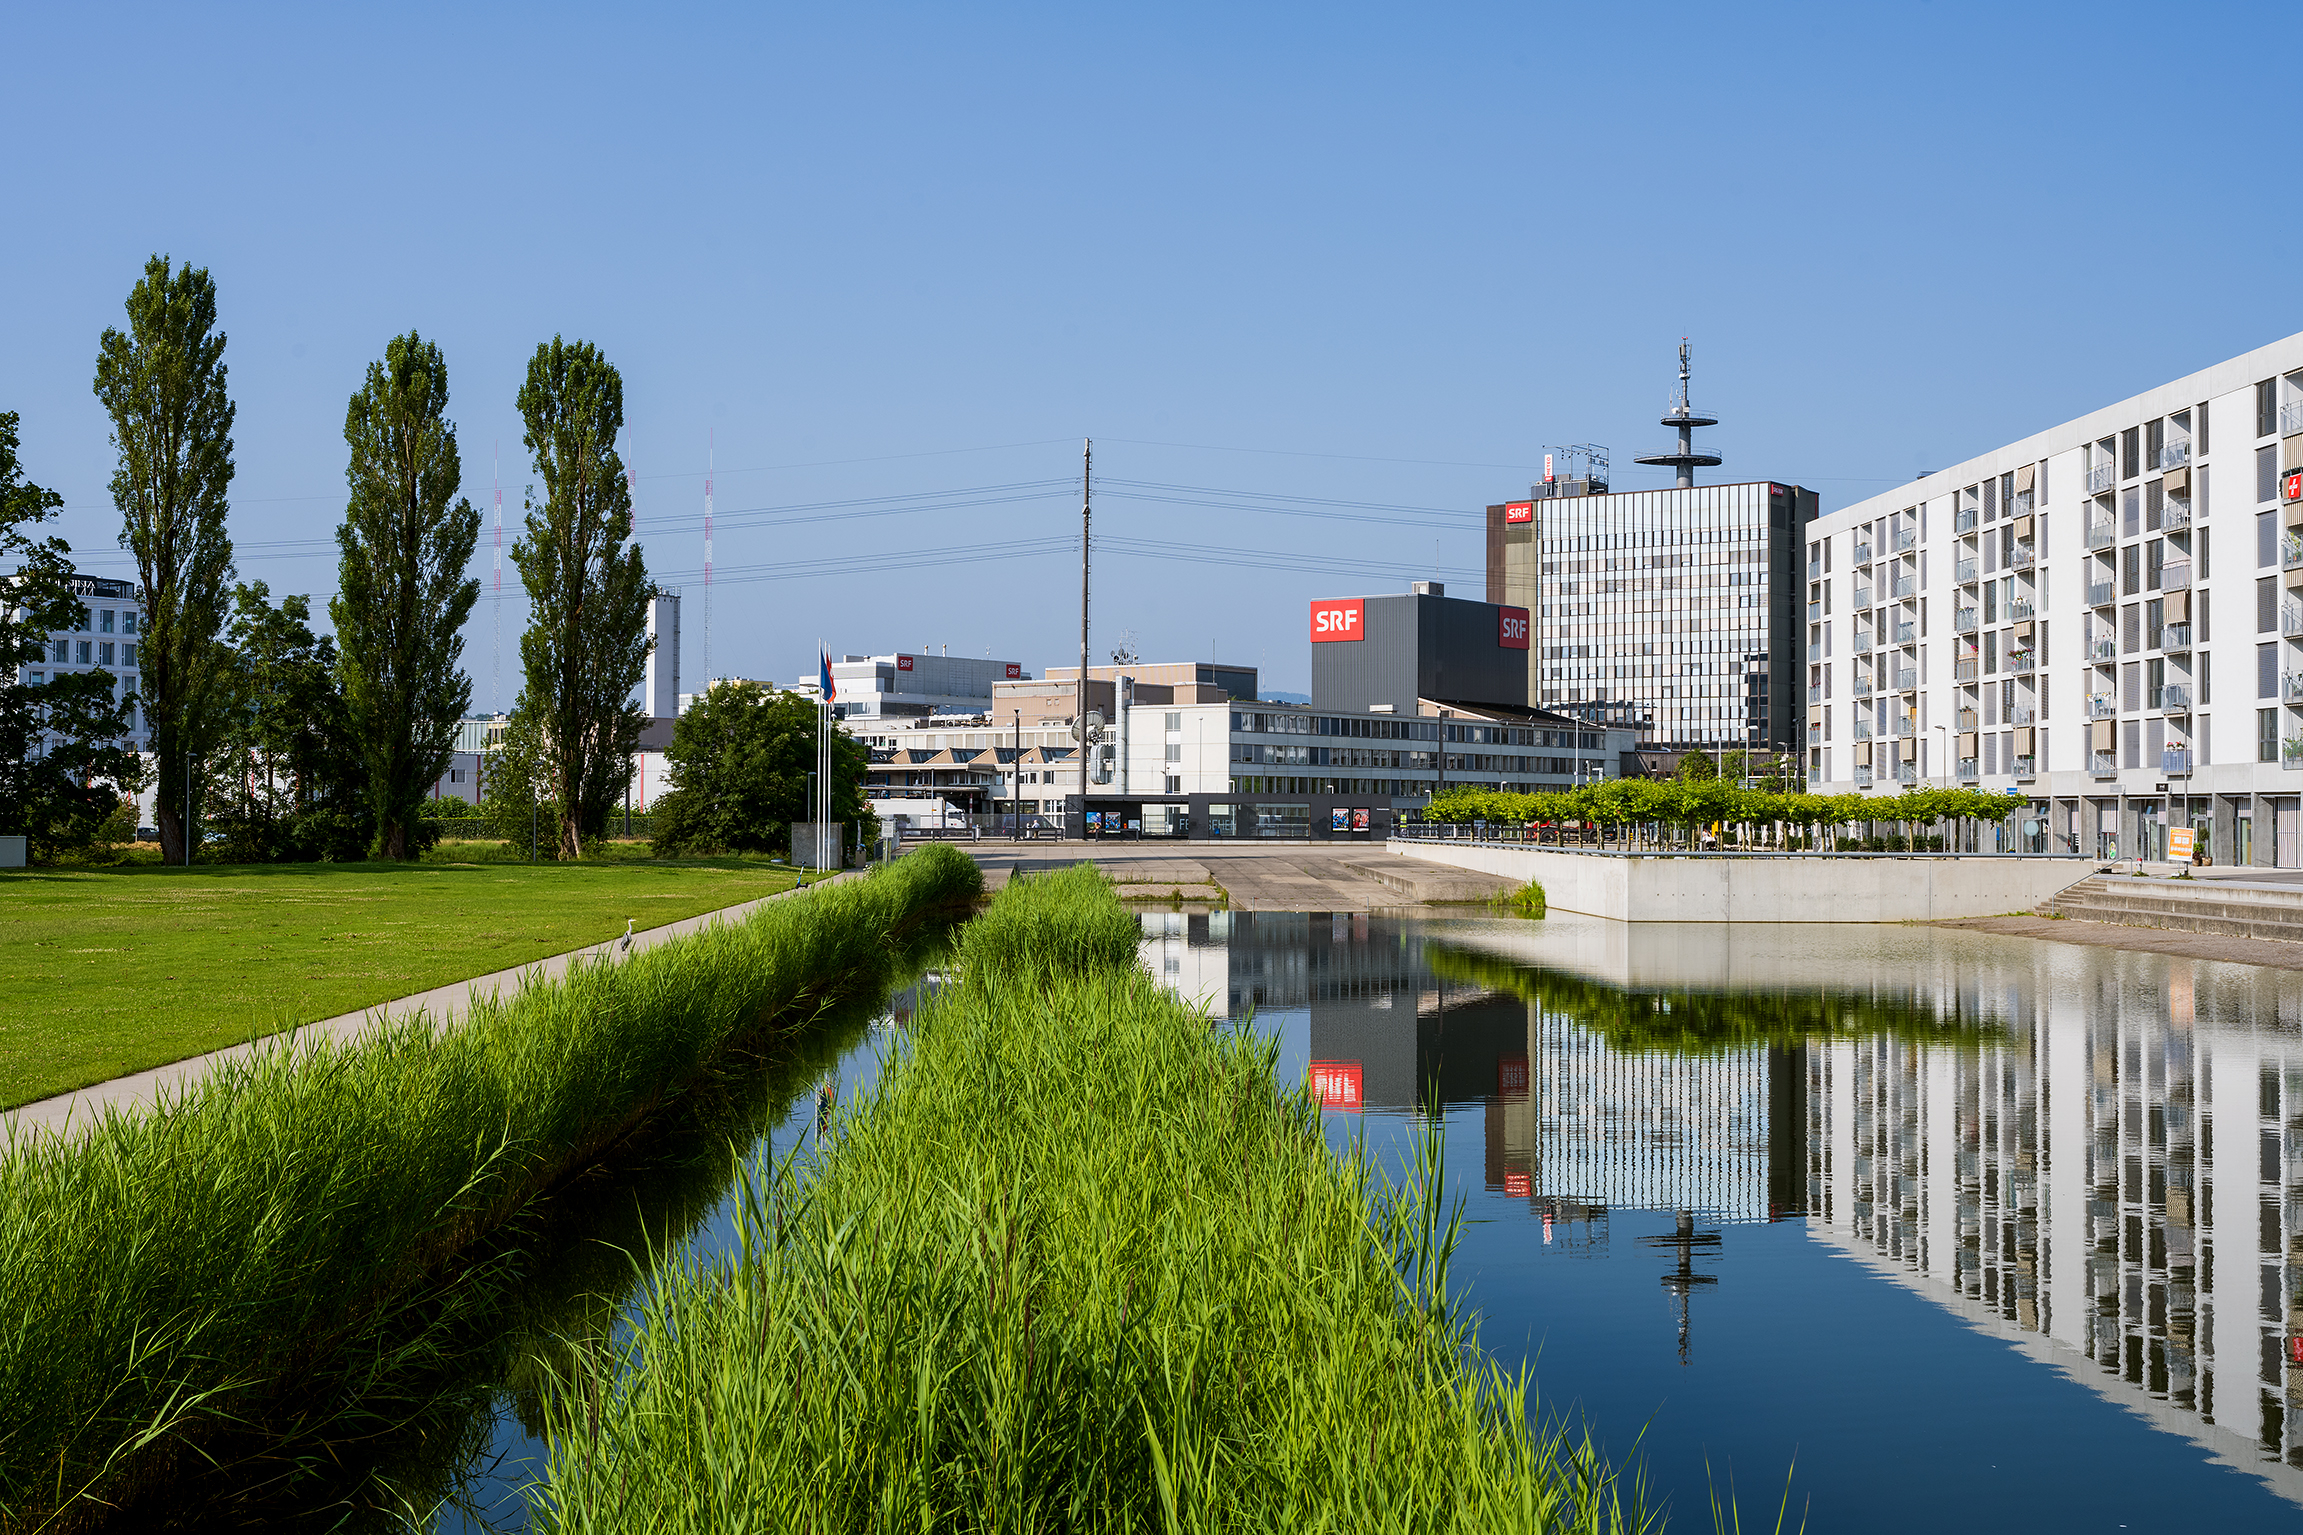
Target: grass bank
x=117 y=970
x=1080 y=1262
x=203 y=1293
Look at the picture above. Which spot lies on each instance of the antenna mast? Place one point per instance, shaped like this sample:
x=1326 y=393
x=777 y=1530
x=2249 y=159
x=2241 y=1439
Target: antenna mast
x=496 y=677
x=1080 y=709
x=712 y=465
x=1686 y=458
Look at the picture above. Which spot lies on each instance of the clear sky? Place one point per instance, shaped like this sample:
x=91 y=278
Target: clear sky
x=892 y=262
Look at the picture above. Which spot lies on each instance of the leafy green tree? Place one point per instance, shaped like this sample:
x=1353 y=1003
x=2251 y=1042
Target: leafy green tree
x=587 y=642
x=1697 y=767
x=403 y=594
x=740 y=760
x=515 y=787
x=162 y=383
x=287 y=782
x=64 y=765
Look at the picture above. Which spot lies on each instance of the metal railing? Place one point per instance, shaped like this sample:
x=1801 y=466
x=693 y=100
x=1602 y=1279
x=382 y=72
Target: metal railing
x=2019 y=661
x=2103 y=648
x=2175 y=637
x=2291 y=619
x=2103 y=764
x=1906 y=539
x=2101 y=478
x=2291 y=418
x=1907 y=772
x=2175 y=698
x=2102 y=535
x=2175 y=516
x=2023 y=767
x=1963 y=572
x=2021 y=714
x=2175 y=761
x=2175 y=576
x=1965 y=620
x=2291 y=752
x=1967 y=721
x=1862 y=554
x=2102 y=706
x=1863 y=730
x=1964 y=671
x=2019 y=609
x=1905 y=679
x=1906 y=586
x=1906 y=633
x=1863 y=596
x=1963 y=520
x=2102 y=594
x=2290 y=550
x=2023 y=557
x=2291 y=687
x=1861 y=688
x=2174 y=455
x=1863 y=775
x=1906 y=728
x=1968 y=768
x=1815 y=612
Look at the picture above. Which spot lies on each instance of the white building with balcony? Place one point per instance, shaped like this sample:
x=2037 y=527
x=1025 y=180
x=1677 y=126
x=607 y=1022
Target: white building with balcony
x=2057 y=620
x=105 y=638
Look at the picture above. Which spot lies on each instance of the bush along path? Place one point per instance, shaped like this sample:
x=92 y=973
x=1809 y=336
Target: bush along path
x=1078 y=1262
x=187 y=1294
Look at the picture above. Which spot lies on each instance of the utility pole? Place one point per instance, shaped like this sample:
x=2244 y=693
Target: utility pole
x=1080 y=705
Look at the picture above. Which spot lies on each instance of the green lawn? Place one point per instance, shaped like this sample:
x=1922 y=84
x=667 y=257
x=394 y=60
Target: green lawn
x=115 y=970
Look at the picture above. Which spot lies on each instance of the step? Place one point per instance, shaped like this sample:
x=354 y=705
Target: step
x=2191 y=909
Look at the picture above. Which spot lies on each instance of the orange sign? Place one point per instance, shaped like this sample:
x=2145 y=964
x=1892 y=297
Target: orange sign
x=1336 y=1085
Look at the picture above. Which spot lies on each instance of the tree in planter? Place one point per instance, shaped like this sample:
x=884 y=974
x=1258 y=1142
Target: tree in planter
x=587 y=642
x=740 y=759
x=286 y=783
x=403 y=594
x=64 y=765
x=162 y=383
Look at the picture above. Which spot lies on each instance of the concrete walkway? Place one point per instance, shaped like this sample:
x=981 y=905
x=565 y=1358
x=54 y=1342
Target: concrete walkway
x=1313 y=876
x=443 y=1004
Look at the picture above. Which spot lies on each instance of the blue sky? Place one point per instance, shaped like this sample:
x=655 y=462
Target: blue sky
x=891 y=263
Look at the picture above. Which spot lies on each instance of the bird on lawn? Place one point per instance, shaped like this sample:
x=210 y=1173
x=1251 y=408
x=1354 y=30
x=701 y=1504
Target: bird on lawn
x=626 y=945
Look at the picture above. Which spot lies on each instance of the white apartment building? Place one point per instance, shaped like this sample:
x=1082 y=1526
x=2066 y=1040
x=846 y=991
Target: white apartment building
x=2058 y=620
x=105 y=639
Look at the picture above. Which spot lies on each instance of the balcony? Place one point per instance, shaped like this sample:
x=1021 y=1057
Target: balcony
x=1815 y=650
x=1906 y=728
x=2175 y=517
x=1907 y=772
x=1963 y=572
x=2022 y=558
x=2102 y=594
x=1968 y=769
x=2102 y=477
x=2021 y=714
x=2102 y=535
x=1863 y=596
x=1967 y=721
x=2175 y=698
x=1963 y=520
x=1863 y=730
x=2102 y=706
x=1906 y=633
x=2291 y=418
x=2291 y=752
x=1906 y=678
x=2103 y=764
x=2175 y=455
x=2175 y=762
x=1906 y=540
x=1862 y=688
x=1963 y=671
x=2019 y=609
x=2175 y=637
x=2103 y=647
x=2291 y=619
x=1964 y=620
x=1862 y=554
x=1814 y=695
x=2290 y=551
x=2024 y=767
x=2019 y=660
x=1906 y=586
x=1863 y=775
x=1815 y=612
x=2291 y=688
x=2175 y=576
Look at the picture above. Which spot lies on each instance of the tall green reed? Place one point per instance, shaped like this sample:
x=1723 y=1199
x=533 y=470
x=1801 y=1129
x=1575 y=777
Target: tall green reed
x=1078 y=1262
x=211 y=1289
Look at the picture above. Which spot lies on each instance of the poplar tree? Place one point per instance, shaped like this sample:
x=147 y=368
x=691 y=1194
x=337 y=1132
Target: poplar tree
x=587 y=642
x=162 y=383
x=403 y=594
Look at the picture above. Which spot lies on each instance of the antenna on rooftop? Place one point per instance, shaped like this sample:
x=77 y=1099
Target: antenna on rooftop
x=1686 y=458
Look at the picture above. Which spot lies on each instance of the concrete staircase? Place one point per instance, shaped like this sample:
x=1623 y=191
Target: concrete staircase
x=2185 y=906
x=1432 y=882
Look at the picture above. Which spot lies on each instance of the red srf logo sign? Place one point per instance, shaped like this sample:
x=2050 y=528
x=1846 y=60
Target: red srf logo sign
x=1511 y=628
x=1518 y=1185
x=1336 y=1085
x=1015 y=669
x=903 y=663
x=1511 y=1074
x=1520 y=511
x=1335 y=620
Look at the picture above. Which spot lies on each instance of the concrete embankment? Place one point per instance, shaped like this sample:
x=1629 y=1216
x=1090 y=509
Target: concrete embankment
x=2225 y=908
x=1665 y=887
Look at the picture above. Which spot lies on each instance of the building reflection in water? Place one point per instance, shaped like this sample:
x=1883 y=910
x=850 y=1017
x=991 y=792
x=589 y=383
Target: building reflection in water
x=2096 y=1156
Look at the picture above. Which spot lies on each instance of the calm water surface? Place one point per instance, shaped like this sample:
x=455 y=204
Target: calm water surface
x=1959 y=1231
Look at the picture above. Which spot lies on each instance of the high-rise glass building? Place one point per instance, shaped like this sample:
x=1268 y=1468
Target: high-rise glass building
x=1673 y=611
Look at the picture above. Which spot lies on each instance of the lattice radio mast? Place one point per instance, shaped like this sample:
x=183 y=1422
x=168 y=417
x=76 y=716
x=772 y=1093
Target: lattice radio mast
x=711 y=467
x=496 y=681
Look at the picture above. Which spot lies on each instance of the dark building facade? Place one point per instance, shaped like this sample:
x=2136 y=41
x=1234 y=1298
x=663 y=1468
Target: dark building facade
x=1386 y=654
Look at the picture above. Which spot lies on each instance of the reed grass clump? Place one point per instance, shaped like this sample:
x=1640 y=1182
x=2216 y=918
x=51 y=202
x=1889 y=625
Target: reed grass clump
x=1067 y=922
x=229 y=1286
x=1078 y=1263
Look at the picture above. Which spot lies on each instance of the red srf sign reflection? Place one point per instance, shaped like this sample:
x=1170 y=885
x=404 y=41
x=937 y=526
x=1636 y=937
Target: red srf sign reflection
x=1336 y=1085
x=1511 y=1074
x=1516 y=1185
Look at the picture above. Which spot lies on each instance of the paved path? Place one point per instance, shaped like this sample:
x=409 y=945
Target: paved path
x=2272 y=953
x=444 y=1004
x=1341 y=876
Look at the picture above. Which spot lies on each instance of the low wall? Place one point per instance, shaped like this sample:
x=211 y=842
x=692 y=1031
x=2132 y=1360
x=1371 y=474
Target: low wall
x=1631 y=887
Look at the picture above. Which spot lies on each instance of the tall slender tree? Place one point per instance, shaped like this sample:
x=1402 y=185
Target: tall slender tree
x=403 y=593
x=162 y=382
x=587 y=642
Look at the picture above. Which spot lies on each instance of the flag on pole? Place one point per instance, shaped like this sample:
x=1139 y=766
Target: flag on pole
x=830 y=692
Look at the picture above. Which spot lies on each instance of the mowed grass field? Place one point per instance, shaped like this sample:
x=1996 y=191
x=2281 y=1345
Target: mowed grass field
x=115 y=970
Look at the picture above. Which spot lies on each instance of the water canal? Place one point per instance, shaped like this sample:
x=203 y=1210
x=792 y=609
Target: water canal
x=1959 y=1231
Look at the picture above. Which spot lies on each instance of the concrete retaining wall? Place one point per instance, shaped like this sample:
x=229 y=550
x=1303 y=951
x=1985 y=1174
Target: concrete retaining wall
x=1790 y=888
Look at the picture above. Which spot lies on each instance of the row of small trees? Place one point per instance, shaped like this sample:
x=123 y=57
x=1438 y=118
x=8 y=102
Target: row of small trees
x=1681 y=806
x=281 y=724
